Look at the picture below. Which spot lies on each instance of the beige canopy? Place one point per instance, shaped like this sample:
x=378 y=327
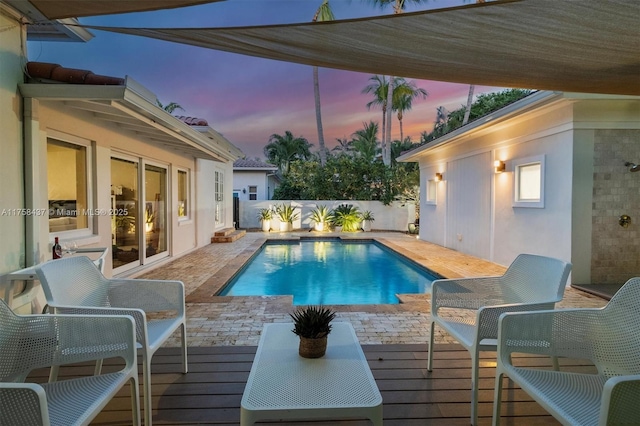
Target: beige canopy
x=57 y=9
x=590 y=46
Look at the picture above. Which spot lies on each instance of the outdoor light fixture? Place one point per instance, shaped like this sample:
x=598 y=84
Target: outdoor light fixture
x=499 y=166
x=438 y=177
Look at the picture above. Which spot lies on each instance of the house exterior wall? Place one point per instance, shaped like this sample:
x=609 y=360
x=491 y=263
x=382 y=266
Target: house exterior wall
x=61 y=122
x=12 y=223
x=242 y=179
x=206 y=202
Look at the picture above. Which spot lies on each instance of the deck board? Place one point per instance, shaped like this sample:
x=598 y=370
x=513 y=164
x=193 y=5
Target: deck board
x=212 y=390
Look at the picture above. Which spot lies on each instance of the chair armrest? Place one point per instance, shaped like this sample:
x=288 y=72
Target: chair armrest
x=620 y=400
x=487 y=316
x=466 y=293
x=565 y=333
x=148 y=295
x=23 y=403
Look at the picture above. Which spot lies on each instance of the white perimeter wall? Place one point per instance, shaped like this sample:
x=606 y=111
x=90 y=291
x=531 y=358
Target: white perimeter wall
x=394 y=217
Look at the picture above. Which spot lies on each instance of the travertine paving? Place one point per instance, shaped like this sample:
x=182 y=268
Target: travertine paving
x=215 y=320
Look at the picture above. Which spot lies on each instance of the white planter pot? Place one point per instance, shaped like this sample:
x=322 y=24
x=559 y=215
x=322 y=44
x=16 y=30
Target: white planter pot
x=319 y=227
x=285 y=226
x=366 y=225
x=337 y=228
x=266 y=225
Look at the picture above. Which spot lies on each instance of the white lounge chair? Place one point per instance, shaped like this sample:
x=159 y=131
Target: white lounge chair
x=30 y=342
x=530 y=283
x=609 y=337
x=74 y=285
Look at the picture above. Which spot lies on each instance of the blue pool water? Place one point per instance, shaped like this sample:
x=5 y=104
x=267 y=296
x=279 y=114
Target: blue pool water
x=329 y=273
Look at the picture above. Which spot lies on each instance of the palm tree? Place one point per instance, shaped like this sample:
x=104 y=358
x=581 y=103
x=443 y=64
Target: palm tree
x=282 y=150
x=344 y=146
x=170 y=107
x=398 y=7
x=379 y=88
x=365 y=141
x=403 y=96
x=324 y=13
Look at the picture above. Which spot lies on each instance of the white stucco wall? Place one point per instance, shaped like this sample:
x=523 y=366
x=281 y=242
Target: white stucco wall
x=242 y=179
x=12 y=224
x=204 y=189
x=394 y=217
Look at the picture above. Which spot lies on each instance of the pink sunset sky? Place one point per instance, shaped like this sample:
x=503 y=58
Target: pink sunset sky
x=248 y=99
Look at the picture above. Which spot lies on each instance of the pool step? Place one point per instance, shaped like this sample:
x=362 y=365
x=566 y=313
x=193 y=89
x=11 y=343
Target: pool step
x=228 y=235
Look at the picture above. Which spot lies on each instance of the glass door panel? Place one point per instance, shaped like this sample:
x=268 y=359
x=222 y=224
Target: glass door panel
x=155 y=210
x=124 y=222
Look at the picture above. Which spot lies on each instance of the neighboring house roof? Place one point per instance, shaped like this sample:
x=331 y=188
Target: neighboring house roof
x=243 y=164
x=528 y=103
x=127 y=105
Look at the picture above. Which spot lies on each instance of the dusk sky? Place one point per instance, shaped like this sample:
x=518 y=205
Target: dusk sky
x=248 y=99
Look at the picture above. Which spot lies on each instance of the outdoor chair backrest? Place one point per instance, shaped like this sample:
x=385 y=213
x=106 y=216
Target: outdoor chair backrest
x=532 y=278
x=617 y=353
x=73 y=281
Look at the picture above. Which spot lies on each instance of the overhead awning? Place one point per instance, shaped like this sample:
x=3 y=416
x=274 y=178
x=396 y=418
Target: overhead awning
x=56 y=9
x=130 y=108
x=589 y=46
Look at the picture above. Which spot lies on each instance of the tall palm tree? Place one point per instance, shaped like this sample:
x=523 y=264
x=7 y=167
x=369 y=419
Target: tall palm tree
x=379 y=88
x=344 y=146
x=324 y=13
x=398 y=7
x=170 y=107
x=404 y=94
x=282 y=150
x=365 y=141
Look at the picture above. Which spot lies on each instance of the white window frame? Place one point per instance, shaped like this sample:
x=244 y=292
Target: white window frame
x=219 y=197
x=187 y=217
x=518 y=166
x=254 y=193
x=431 y=187
x=90 y=230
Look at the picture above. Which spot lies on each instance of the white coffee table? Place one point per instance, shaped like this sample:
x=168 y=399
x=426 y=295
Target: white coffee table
x=284 y=386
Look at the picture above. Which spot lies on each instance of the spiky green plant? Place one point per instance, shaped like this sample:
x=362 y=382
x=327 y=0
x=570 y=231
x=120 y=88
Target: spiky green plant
x=347 y=216
x=321 y=214
x=312 y=322
x=286 y=213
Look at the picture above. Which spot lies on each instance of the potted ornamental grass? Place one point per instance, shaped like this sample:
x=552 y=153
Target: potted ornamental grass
x=265 y=216
x=287 y=214
x=346 y=218
x=367 y=218
x=321 y=217
x=312 y=324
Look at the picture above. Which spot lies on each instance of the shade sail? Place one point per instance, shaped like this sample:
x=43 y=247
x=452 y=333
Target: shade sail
x=577 y=46
x=57 y=9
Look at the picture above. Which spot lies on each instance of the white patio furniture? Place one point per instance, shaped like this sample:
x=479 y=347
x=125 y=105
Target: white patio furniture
x=74 y=285
x=530 y=283
x=31 y=342
x=609 y=337
x=284 y=386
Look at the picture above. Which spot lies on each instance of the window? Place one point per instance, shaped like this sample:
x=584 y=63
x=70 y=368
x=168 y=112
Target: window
x=253 y=192
x=183 y=195
x=67 y=186
x=432 y=192
x=529 y=182
x=219 y=197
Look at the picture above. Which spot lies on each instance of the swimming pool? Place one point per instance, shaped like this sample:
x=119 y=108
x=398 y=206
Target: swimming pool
x=329 y=272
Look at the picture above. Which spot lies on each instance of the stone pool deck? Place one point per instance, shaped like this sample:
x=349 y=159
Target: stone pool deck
x=222 y=320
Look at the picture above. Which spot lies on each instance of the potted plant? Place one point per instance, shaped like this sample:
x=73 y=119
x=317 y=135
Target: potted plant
x=265 y=216
x=346 y=218
x=287 y=214
x=321 y=216
x=312 y=324
x=367 y=218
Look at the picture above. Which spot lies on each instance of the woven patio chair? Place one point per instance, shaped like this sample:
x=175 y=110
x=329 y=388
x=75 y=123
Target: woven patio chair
x=30 y=342
x=75 y=286
x=530 y=283
x=609 y=337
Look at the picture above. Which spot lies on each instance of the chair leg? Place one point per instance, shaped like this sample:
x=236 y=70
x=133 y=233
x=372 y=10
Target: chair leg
x=135 y=401
x=431 y=339
x=497 y=400
x=98 y=368
x=474 y=385
x=146 y=385
x=556 y=364
x=183 y=328
x=53 y=373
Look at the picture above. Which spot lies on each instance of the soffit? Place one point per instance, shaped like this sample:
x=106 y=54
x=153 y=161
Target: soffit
x=586 y=46
x=127 y=110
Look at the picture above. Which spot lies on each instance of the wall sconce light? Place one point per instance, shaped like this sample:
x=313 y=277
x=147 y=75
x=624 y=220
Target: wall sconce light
x=438 y=177
x=244 y=190
x=499 y=166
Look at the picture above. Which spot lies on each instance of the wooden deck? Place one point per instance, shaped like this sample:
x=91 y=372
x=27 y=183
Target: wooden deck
x=211 y=392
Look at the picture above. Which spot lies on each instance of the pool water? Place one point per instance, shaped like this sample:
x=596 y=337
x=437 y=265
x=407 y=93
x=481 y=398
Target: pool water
x=329 y=273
